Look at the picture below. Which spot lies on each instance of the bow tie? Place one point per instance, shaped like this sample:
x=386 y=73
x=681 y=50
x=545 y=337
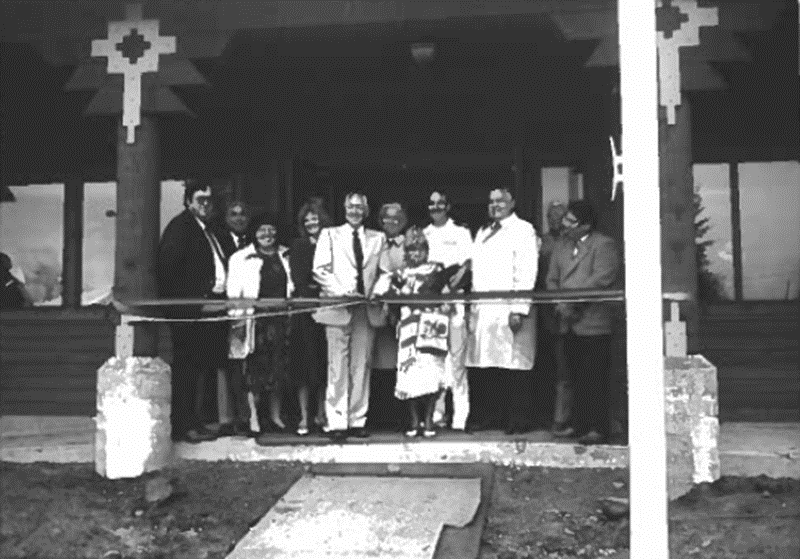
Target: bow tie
x=395 y=241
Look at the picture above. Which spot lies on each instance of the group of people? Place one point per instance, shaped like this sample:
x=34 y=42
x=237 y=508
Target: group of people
x=459 y=365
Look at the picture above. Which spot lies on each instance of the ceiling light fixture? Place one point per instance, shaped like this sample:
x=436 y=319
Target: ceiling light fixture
x=423 y=52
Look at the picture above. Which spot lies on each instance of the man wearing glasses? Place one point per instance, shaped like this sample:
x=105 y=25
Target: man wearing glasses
x=346 y=265
x=191 y=265
x=585 y=259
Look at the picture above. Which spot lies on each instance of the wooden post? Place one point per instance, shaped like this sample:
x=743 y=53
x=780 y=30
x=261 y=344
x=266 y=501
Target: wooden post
x=642 y=234
x=678 y=249
x=138 y=203
x=736 y=231
x=72 y=257
x=524 y=197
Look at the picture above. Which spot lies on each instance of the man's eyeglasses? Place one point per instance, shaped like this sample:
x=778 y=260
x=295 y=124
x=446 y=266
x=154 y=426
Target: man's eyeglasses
x=203 y=200
x=569 y=221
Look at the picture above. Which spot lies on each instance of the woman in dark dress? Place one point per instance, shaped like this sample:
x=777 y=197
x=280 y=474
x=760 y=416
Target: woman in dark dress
x=308 y=347
x=261 y=271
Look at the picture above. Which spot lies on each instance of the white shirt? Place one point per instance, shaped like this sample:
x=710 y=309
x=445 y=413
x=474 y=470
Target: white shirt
x=219 y=266
x=236 y=238
x=449 y=244
x=575 y=249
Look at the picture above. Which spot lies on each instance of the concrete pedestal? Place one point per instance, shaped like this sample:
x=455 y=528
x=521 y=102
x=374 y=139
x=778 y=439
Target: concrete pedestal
x=691 y=423
x=133 y=430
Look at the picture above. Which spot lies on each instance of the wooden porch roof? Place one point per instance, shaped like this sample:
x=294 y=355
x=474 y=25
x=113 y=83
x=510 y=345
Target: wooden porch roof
x=339 y=84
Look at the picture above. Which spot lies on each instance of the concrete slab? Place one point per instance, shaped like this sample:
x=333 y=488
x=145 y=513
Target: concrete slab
x=39 y=425
x=64 y=448
x=502 y=450
x=455 y=542
x=752 y=449
x=360 y=517
x=746 y=449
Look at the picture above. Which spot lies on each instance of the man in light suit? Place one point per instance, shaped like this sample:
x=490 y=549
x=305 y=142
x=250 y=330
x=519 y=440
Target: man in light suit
x=585 y=259
x=346 y=265
x=502 y=342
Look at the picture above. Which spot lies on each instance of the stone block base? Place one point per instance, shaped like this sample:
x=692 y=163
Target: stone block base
x=133 y=430
x=691 y=423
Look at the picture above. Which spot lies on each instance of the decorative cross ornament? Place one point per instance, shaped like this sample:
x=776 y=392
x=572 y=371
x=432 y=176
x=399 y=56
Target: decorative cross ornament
x=132 y=48
x=678 y=25
x=616 y=157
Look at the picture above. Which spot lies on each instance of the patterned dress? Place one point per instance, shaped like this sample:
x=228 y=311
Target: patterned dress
x=267 y=364
x=419 y=371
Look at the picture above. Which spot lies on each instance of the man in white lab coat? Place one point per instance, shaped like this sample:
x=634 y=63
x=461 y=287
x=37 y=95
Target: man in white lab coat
x=502 y=342
x=451 y=244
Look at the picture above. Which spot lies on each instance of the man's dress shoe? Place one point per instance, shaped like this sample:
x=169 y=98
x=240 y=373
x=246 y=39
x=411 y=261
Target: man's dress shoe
x=592 y=437
x=337 y=436
x=198 y=436
x=359 y=432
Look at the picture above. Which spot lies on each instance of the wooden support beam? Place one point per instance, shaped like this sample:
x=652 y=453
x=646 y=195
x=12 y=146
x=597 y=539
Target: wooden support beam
x=678 y=249
x=736 y=230
x=138 y=221
x=643 y=289
x=72 y=259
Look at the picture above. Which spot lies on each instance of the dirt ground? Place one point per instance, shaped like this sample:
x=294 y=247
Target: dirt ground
x=67 y=511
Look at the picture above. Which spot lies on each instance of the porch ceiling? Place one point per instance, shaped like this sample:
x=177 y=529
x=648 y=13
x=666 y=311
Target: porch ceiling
x=339 y=92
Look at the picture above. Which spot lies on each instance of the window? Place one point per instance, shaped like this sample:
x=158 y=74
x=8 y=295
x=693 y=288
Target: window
x=559 y=183
x=32 y=234
x=713 y=234
x=99 y=234
x=769 y=200
x=767 y=227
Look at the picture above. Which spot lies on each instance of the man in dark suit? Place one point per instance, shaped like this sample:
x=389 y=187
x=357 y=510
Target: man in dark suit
x=229 y=389
x=553 y=392
x=234 y=236
x=585 y=259
x=191 y=264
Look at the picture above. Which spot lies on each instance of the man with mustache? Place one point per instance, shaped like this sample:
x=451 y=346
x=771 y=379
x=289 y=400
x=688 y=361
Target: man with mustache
x=450 y=244
x=585 y=259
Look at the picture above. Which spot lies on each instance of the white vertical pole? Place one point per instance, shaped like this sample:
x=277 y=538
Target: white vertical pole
x=642 y=232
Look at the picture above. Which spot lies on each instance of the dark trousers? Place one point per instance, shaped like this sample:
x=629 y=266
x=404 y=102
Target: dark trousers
x=385 y=411
x=499 y=397
x=589 y=362
x=237 y=388
x=552 y=382
x=197 y=352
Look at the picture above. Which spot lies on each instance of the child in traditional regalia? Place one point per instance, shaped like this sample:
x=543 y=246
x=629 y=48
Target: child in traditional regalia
x=422 y=332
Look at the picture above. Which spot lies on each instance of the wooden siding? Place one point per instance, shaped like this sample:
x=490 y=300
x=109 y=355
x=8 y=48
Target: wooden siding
x=755 y=348
x=49 y=359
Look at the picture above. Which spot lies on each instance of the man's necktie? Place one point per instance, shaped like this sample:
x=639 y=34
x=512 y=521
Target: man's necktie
x=359 y=254
x=494 y=228
x=214 y=244
x=239 y=241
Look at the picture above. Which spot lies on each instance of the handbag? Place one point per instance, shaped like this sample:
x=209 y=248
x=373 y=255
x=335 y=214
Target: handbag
x=433 y=332
x=242 y=338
